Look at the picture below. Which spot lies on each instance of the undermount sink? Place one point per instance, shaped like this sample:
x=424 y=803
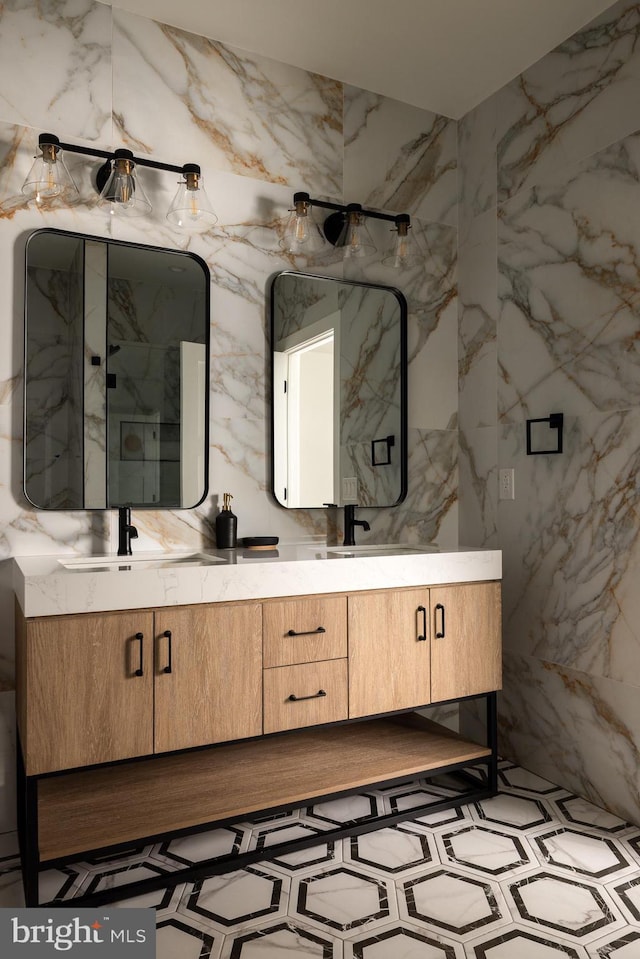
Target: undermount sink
x=139 y=561
x=391 y=549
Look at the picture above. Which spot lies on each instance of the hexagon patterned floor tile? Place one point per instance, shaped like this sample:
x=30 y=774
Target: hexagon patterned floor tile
x=579 y=909
x=175 y=938
x=594 y=856
x=532 y=873
x=349 y=809
x=188 y=850
x=402 y=942
x=581 y=813
x=309 y=859
x=519 y=943
x=343 y=899
x=236 y=899
x=514 y=777
x=512 y=812
x=486 y=850
x=393 y=850
x=281 y=940
x=452 y=902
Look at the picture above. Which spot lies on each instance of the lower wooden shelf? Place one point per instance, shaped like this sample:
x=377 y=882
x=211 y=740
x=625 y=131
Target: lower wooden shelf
x=106 y=806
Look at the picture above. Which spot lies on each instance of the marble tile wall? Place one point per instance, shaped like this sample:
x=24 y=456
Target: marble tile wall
x=550 y=304
x=260 y=130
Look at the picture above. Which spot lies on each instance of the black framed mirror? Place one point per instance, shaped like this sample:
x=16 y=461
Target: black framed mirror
x=339 y=392
x=116 y=381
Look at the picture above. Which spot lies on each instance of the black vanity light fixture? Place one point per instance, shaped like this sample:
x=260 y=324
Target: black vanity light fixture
x=121 y=193
x=346 y=227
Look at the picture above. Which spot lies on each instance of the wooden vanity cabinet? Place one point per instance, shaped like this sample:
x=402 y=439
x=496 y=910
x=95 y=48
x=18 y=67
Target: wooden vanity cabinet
x=150 y=685
x=102 y=688
x=305 y=662
x=413 y=647
x=466 y=640
x=389 y=662
x=208 y=675
x=85 y=689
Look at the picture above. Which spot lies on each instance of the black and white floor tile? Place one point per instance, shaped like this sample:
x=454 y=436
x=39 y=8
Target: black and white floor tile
x=533 y=873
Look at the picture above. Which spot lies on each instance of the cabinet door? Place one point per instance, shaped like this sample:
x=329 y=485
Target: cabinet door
x=466 y=647
x=388 y=651
x=86 y=702
x=213 y=692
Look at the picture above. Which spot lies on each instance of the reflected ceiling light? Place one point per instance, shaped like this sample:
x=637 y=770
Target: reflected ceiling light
x=346 y=227
x=117 y=182
x=48 y=176
x=302 y=233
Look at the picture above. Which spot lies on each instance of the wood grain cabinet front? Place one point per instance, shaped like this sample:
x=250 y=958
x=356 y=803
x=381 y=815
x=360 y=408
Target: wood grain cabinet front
x=305 y=695
x=389 y=662
x=466 y=640
x=208 y=675
x=85 y=689
x=414 y=647
x=96 y=689
x=307 y=630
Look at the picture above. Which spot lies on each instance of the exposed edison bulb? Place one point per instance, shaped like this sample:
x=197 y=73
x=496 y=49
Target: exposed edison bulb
x=123 y=194
x=48 y=187
x=355 y=238
x=302 y=234
x=48 y=176
x=404 y=250
x=191 y=209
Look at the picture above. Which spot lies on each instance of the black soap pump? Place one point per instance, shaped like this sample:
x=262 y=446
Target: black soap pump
x=226 y=525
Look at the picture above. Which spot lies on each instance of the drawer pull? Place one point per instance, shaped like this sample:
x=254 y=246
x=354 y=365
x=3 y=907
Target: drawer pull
x=309 y=632
x=140 y=670
x=422 y=638
x=298 y=699
x=167 y=668
x=440 y=632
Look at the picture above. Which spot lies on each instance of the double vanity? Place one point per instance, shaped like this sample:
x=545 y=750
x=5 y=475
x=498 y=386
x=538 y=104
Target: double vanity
x=161 y=694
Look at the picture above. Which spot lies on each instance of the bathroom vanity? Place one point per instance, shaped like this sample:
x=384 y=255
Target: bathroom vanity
x=158 y=697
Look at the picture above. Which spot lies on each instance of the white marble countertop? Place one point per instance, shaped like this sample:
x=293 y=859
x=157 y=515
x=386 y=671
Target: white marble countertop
x=45 y=586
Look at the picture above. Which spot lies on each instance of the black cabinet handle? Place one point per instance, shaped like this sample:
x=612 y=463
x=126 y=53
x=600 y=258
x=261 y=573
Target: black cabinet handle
x=140 y=670
x=167 y=668
x=298 y=699
x=440 y=632
x=309 y=632
x=423 y=638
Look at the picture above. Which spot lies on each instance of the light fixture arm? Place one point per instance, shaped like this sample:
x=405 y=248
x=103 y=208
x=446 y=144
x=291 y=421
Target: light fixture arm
x=334 y=222
x=50 y=139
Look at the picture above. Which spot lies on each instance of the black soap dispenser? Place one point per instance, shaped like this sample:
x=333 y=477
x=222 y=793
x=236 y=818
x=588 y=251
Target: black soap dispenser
x=226 y=525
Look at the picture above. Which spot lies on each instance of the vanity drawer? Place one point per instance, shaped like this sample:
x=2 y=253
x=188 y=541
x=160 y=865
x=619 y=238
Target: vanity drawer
x=306 y=682
x=307 y=630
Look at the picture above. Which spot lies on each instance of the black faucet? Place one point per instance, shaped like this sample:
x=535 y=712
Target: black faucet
x=350 y=523
x=126 y=532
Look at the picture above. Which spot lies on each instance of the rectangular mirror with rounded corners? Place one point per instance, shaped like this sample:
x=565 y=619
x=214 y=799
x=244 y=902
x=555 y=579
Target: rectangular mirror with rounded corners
x=339 y=392
x=116 y=374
